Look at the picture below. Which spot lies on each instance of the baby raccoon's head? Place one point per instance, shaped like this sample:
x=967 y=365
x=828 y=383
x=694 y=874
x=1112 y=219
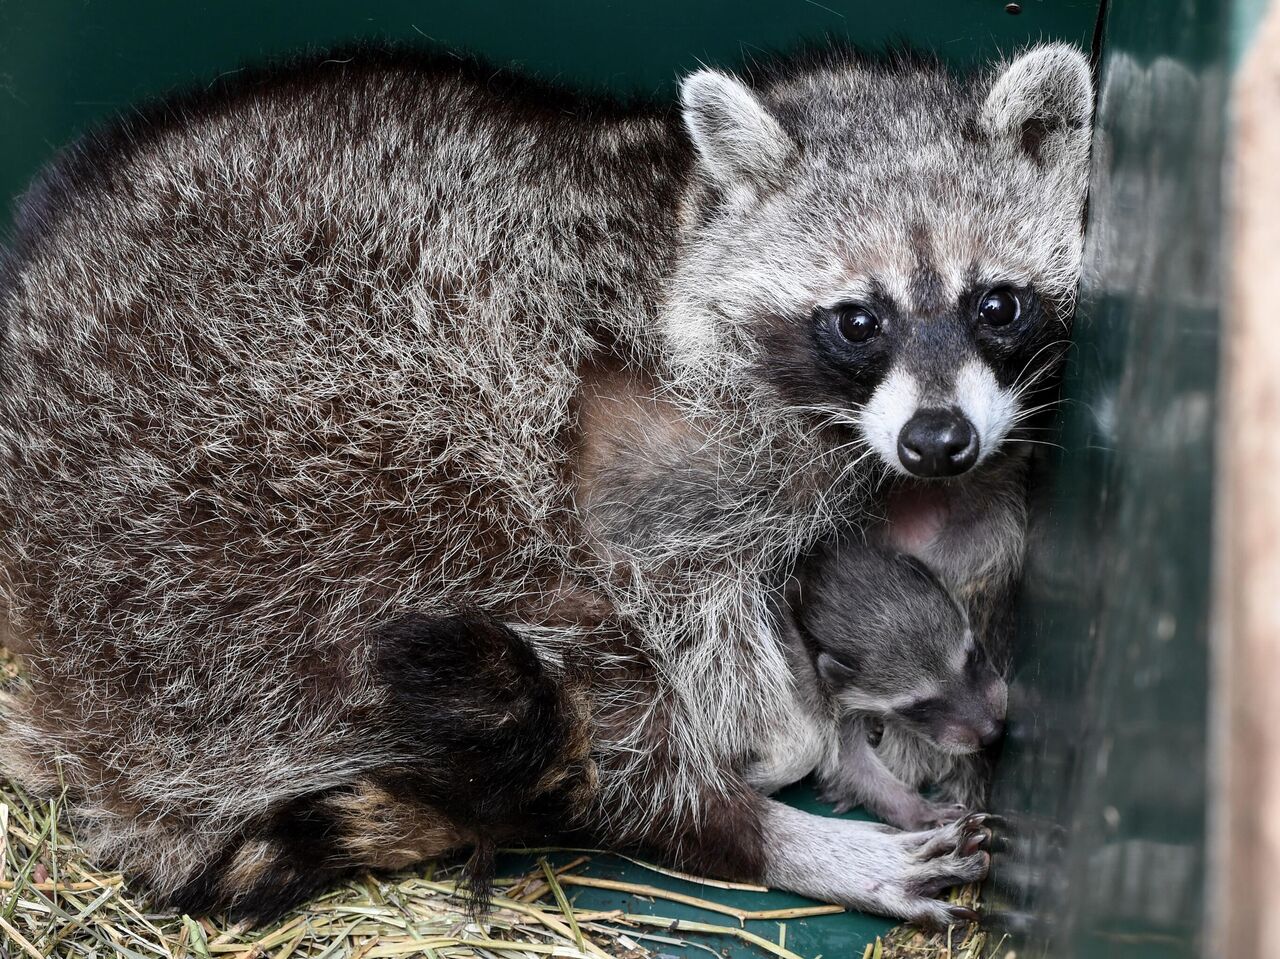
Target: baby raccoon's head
x=888 y=247
x=887 y=640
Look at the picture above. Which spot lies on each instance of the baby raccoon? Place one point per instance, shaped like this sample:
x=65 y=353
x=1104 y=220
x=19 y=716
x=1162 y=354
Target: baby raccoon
x=880 y=640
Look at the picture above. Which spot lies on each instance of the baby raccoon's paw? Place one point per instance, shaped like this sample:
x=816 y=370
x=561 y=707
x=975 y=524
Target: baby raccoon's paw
x=841 y=800
x=924 y=814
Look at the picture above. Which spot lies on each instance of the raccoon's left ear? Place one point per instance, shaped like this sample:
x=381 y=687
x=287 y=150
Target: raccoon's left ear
x=1043 y=102
x=738 y=141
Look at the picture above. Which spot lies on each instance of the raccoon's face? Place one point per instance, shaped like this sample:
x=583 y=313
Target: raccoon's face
x=959 y=707
x=884 y=247
x=890 y=642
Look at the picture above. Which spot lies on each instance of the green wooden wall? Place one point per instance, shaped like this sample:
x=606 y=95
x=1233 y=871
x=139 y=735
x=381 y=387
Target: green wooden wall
x=66 y=63
x=1103 y=777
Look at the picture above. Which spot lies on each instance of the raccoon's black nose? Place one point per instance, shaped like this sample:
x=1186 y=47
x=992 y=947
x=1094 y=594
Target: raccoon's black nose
x=938 y=443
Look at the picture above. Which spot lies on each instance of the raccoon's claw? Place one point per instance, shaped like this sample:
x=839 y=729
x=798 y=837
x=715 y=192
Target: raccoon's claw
x=911 y=868
x=998 y=844
x=948 y=858
x=936 y=814
x=979 y=840
x=974 y=833
x=938 y=916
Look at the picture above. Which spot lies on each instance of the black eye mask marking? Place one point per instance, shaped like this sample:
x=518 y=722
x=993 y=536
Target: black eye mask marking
x=809 y=361
x=1018 y=347
x=924 y=712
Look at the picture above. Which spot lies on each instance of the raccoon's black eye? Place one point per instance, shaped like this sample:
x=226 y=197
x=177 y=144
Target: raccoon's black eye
x=855 y=323
x=999 y=307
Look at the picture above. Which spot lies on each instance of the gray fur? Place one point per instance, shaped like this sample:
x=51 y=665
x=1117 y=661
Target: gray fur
x=888 y=641
x=292 y=357
x=857 y=776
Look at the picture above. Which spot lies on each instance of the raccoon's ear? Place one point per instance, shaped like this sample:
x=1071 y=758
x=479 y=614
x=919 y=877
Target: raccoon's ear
x=834 y=672
x=1043 y=102
x=738 y=142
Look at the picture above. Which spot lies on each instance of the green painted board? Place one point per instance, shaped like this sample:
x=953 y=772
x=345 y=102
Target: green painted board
x=839 y=936
x=1103 y=776
x=67 y=64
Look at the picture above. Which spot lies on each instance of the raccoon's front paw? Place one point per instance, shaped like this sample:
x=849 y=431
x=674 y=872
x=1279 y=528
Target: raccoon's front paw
x=840 y=800
x=875 y=868
x=948 y=855
x=909 y=811
x=924 y=814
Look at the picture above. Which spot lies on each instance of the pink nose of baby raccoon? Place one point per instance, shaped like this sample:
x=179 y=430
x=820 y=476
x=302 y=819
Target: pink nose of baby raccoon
x=984 y=726
x=991 y=733
x=971 y=738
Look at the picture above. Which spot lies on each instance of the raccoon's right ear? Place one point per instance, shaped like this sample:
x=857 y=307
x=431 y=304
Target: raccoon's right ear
x=738 y=142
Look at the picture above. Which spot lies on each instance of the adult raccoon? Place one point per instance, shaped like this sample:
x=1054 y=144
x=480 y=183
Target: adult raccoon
x=323 y=379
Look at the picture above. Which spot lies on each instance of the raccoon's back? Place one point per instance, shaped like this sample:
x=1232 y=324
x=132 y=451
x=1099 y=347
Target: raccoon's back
x=286 y=359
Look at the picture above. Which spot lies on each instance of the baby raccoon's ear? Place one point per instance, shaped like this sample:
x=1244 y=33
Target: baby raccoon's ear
x=833 y=672
x=1043 y=102
x=739 y=143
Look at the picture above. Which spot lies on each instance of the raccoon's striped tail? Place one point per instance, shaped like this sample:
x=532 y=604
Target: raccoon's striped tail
x=492 y=748
x=300 y=850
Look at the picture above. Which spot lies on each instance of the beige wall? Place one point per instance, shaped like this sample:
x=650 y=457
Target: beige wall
x=1244 y=902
